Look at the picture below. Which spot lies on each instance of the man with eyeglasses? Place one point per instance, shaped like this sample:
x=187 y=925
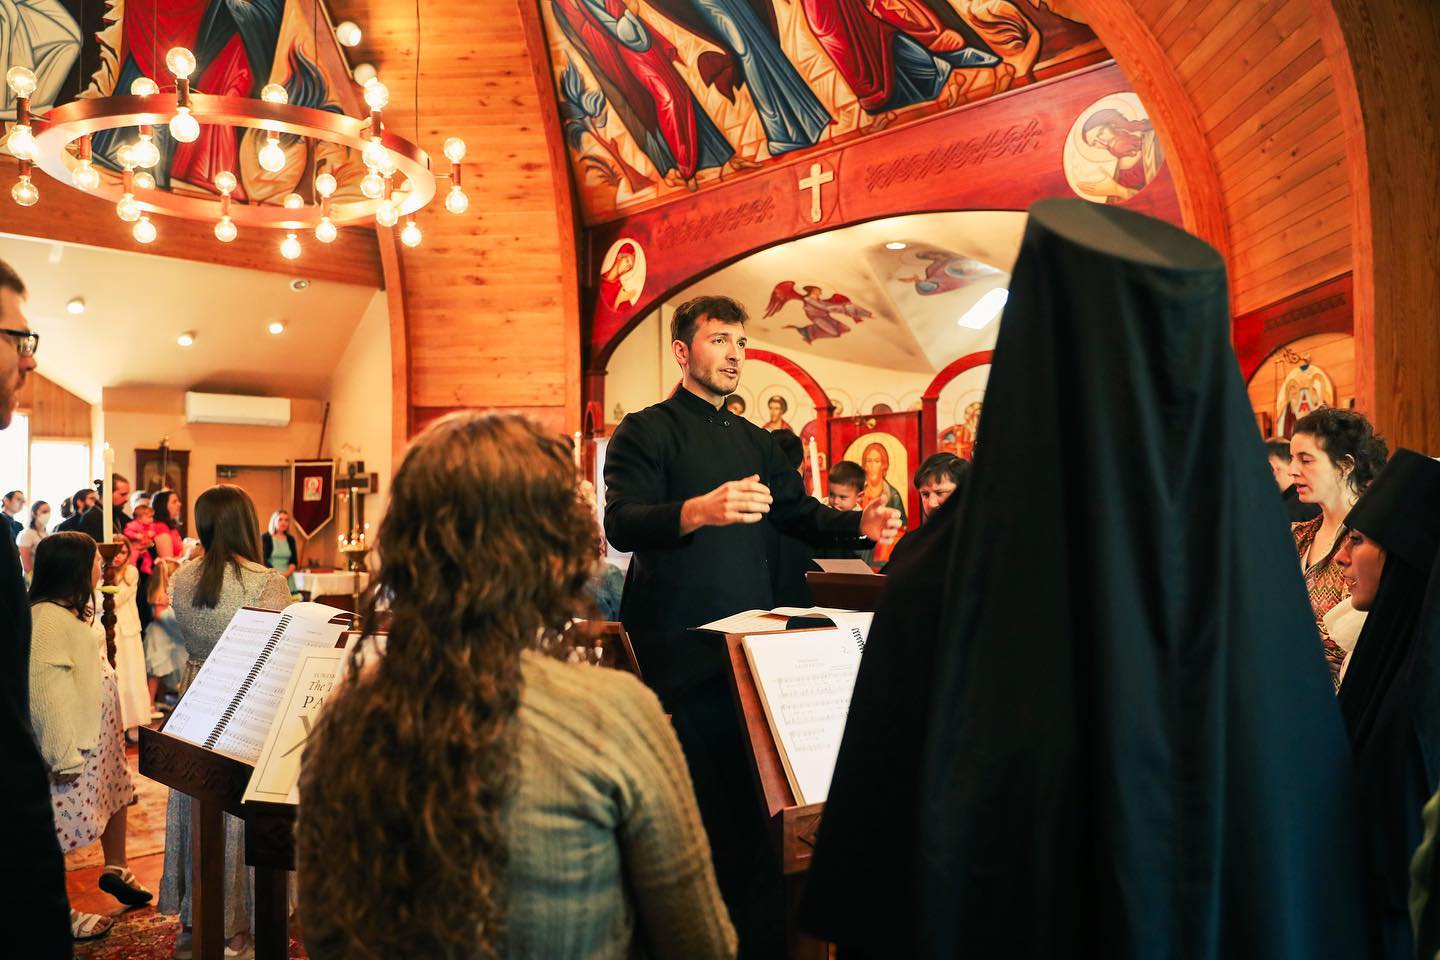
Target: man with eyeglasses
x=32 y=873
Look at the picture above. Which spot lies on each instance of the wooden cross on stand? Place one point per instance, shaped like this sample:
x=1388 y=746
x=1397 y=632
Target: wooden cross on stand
x=819 y=176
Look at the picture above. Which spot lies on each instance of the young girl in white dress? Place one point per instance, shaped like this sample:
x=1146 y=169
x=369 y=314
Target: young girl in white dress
x=135 y=703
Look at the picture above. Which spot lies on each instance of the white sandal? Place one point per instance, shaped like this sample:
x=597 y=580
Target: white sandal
x=89 y=926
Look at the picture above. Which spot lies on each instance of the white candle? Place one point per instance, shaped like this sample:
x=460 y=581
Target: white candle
x=814 y=469
x=107 y=514
x=575 y=448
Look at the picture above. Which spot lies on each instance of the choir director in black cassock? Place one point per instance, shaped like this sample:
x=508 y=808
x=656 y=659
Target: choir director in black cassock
x=690 y=489
x=1127 y=744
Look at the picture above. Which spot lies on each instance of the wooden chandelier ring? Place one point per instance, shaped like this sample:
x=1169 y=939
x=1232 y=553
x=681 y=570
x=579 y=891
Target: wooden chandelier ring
x=78 y=118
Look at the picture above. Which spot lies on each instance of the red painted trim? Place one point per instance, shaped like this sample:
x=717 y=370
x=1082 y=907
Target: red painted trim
x=1327 y=307
x=812 y=386
x=952 y=370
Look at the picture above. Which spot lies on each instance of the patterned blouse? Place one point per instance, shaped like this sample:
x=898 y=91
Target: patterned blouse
x=1324 y=580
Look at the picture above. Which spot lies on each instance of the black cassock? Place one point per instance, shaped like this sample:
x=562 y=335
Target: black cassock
x=657 y=459
x=1105 y=730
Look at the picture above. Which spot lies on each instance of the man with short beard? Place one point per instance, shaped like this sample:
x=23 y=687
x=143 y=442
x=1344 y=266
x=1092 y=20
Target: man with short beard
x=691 y=489
x=32 y=873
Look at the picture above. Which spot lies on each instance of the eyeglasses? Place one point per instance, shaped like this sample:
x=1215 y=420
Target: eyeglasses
x=26 y=341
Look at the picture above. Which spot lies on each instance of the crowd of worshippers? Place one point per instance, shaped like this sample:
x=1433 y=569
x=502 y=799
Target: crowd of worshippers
x=1119 y=699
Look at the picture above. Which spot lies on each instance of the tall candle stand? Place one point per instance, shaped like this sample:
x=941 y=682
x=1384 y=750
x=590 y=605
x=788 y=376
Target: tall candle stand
x=108 y=552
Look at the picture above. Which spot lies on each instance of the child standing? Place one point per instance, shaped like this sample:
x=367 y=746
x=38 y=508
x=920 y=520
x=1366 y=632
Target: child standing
x=135 y=705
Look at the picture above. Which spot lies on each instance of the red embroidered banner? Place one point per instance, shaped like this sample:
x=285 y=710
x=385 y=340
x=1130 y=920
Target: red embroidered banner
x=312 y=496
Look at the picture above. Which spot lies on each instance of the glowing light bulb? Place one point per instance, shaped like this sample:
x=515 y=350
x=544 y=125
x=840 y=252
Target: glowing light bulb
x=325 y=231
x=272 y=156
x=85 y=176
x=180 y=61
x=186 y=339
x=224 y=181
x=144 y=87
x=144 y=153
x=364 y=73
x=411 y=236
x=143 y=181
x=454 y=149
x=21 y=80
x=184 y=127
x=325 y=184
x=290 y=247
x=456 y=201
x=276 y=328
x=24 y=192
x=387 y=215
x=21 y=142
x=274 y=93
x=348 y=33
x=225 y=230
x=128 y=208
x=293 y=201
x=372 y=185
x=377 y=95
x=375 y=155
x=122 y=154
x=144 y=230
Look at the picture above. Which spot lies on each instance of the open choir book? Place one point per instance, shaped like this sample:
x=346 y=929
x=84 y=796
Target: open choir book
x=233 y=700
x=805 y=679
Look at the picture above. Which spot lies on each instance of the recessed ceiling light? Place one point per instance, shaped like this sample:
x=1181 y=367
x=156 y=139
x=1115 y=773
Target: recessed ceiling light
x=186 y=339
x=75 y=305
x=276 y=327
x=896 y=245
x=986 y=309
x=299 y=283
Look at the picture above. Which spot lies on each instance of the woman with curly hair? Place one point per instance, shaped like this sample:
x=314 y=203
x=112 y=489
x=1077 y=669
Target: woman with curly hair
x=466 y=795
x=1334 y=454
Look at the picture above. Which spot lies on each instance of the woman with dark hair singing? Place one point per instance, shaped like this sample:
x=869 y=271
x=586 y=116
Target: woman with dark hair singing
x=204 y=595
x=466 y=795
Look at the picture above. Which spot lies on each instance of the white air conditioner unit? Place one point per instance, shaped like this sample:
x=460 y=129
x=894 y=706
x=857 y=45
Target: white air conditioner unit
x=236 y=410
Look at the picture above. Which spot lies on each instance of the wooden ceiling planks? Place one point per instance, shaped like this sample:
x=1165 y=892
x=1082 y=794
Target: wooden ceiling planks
x=491 y=297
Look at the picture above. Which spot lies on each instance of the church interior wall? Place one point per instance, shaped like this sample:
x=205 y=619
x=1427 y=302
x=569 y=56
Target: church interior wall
x=54 y=412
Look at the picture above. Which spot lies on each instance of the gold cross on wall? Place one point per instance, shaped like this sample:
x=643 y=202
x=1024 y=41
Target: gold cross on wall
x=819 y=176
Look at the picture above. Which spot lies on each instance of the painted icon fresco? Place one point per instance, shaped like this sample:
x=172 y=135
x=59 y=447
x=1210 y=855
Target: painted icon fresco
x=822 y=314
x=1305 y=389
x=664 y=97
x=96 y=49
x=940 y=271
x=622 y=274
x=1112 y=151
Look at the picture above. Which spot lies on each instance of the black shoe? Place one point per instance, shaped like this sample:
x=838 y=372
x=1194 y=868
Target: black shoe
x=120 y=883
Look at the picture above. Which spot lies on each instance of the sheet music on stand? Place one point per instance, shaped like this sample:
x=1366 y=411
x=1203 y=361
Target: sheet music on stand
x=232 y=701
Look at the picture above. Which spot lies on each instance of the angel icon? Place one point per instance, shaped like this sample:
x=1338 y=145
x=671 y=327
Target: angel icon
x=820 y=311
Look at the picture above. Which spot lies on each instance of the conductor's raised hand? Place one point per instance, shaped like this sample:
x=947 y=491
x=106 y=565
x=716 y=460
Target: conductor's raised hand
x=879 y=522
x=736 y=501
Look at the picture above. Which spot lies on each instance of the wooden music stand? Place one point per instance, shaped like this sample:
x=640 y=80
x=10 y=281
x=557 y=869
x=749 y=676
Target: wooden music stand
x=846 y=591
x=792 y=827
x=216 y=784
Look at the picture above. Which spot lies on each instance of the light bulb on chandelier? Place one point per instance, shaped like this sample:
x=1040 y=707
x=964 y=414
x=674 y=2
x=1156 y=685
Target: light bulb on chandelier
x=372 y=185
x=84 y=176
x=387 y=215
x=274 y=93
x=184 y=127
x=456 y=201
x=375 y=155
x=25 y=192
x=143 y=181
x=144 y=87
x=326 y=231
x=363 y=73
x=21 y=142
x=290 y=247
x=272 y=155
x=144 y=230
x=128 y=208
x=225 y=230
x=22 y=81
x=454 y=149
x=225 y=181
x=325 y=184
x=377 y=95
x=181 y=62
x=411 y=236
x=293 y=201
x=144 y=153
x=348 y=33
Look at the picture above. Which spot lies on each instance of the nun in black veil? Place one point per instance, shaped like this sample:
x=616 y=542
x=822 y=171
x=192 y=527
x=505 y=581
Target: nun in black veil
x=1104 y=728
x=1390 y=697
